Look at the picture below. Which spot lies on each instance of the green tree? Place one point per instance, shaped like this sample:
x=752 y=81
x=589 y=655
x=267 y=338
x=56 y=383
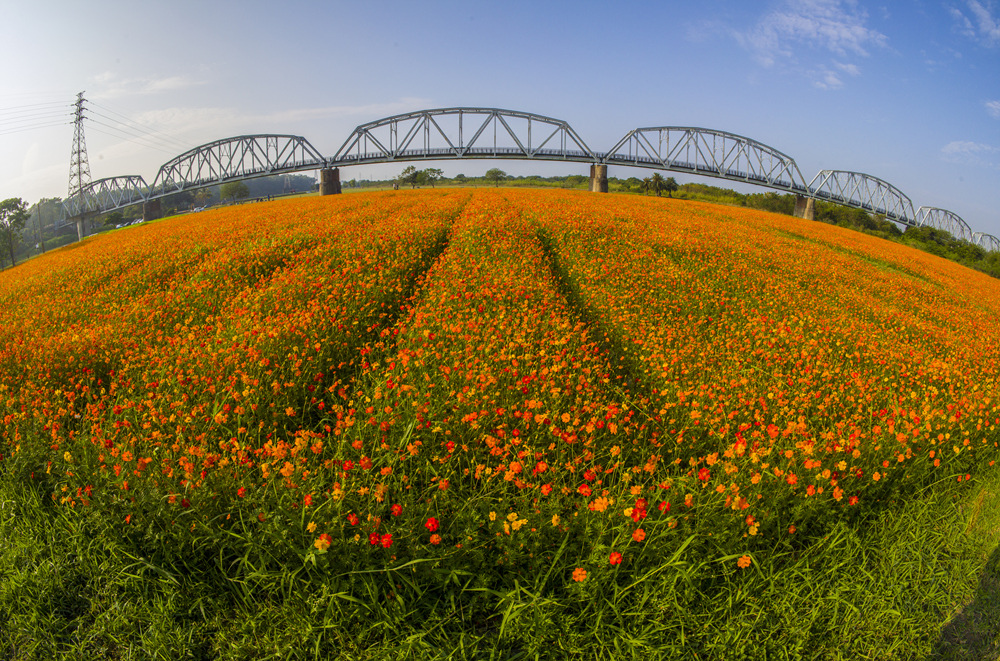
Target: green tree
x=495 y=175
x=409 y=176
x=114 y=218
x=203 y=197
x=460 y=179
x=670 y=185
x=13 y=215
x=432 y=175
x=234 y=190
x=632 y=183
x=657 y=183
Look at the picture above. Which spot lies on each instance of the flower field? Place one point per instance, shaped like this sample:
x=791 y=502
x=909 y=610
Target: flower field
x=487 y=414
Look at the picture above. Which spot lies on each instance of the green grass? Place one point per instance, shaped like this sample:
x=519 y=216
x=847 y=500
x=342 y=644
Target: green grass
x=921 y=581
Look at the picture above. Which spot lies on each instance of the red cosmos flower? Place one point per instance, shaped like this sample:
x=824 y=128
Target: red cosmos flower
x=853 y=500
x=638 y=535
x=348 y=465
x=435 y=539
x=185 y=503
x=546 y=489
x=615 y=559
x=396 y=509
x=308 y=500
x=352 y=519
x=373 y=539
x=241 y=492
x=386 y=540
x=584 y=489
x=664 y=506
x=704 y=474
x=432 y=524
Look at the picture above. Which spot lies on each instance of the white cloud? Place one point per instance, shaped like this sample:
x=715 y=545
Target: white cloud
x=968 y=147
x=993 y=108
x=979 y=23
x=976 y=154
x=109 y=85
x=837 y=26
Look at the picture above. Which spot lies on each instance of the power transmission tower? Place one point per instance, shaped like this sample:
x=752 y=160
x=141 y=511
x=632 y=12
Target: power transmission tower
x=79 y=165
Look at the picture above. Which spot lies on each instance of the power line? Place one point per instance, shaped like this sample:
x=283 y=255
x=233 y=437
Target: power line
x=27 y=107
x=39 y=116
x=141 y=127
x=127 y=130
x=123 y=136
x=34 y=127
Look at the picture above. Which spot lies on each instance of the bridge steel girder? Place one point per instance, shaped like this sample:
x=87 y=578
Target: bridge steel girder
x=943 y=219
x=986 y=241
x=241 y=157
x=425 y=135
x=863 y=191
x=107 y=194
x=710 y=153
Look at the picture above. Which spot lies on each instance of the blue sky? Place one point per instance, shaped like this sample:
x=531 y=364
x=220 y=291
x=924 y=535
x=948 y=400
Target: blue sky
x=905 y=91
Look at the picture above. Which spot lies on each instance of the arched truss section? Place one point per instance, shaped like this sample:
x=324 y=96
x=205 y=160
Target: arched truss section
x=943 y=219
x=449 y=133
x=241 y=157
x=863 y=191
x=986 y=241
x=107 y=195
x=710 y=153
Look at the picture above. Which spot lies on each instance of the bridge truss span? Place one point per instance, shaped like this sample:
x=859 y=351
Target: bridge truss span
x=986 y=241
x=863 y=191
x=107 y=194
x=708 y=152
x=450 y=133
x=241 y=157
x=943 y=219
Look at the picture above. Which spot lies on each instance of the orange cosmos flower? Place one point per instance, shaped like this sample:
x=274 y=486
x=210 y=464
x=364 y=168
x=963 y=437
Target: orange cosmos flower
x=323 y=543
x=579 y=574
x=638 y=535
x=744 y=562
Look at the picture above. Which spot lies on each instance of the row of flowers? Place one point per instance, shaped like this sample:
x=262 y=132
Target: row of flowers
x=487 y=374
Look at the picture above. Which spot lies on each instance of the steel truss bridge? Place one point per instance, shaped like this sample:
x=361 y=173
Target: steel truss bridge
x=492 y=133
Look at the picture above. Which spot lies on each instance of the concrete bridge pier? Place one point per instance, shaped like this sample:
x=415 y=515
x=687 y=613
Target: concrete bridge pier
x=805 y=207
x=329 y=181
x=79 y=228
x=598 y=178
x=152 y=210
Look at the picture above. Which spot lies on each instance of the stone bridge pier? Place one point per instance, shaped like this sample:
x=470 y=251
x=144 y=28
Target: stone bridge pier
x=598 y=178
x=805 y=207
x=329 y=181
x=152 y=210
